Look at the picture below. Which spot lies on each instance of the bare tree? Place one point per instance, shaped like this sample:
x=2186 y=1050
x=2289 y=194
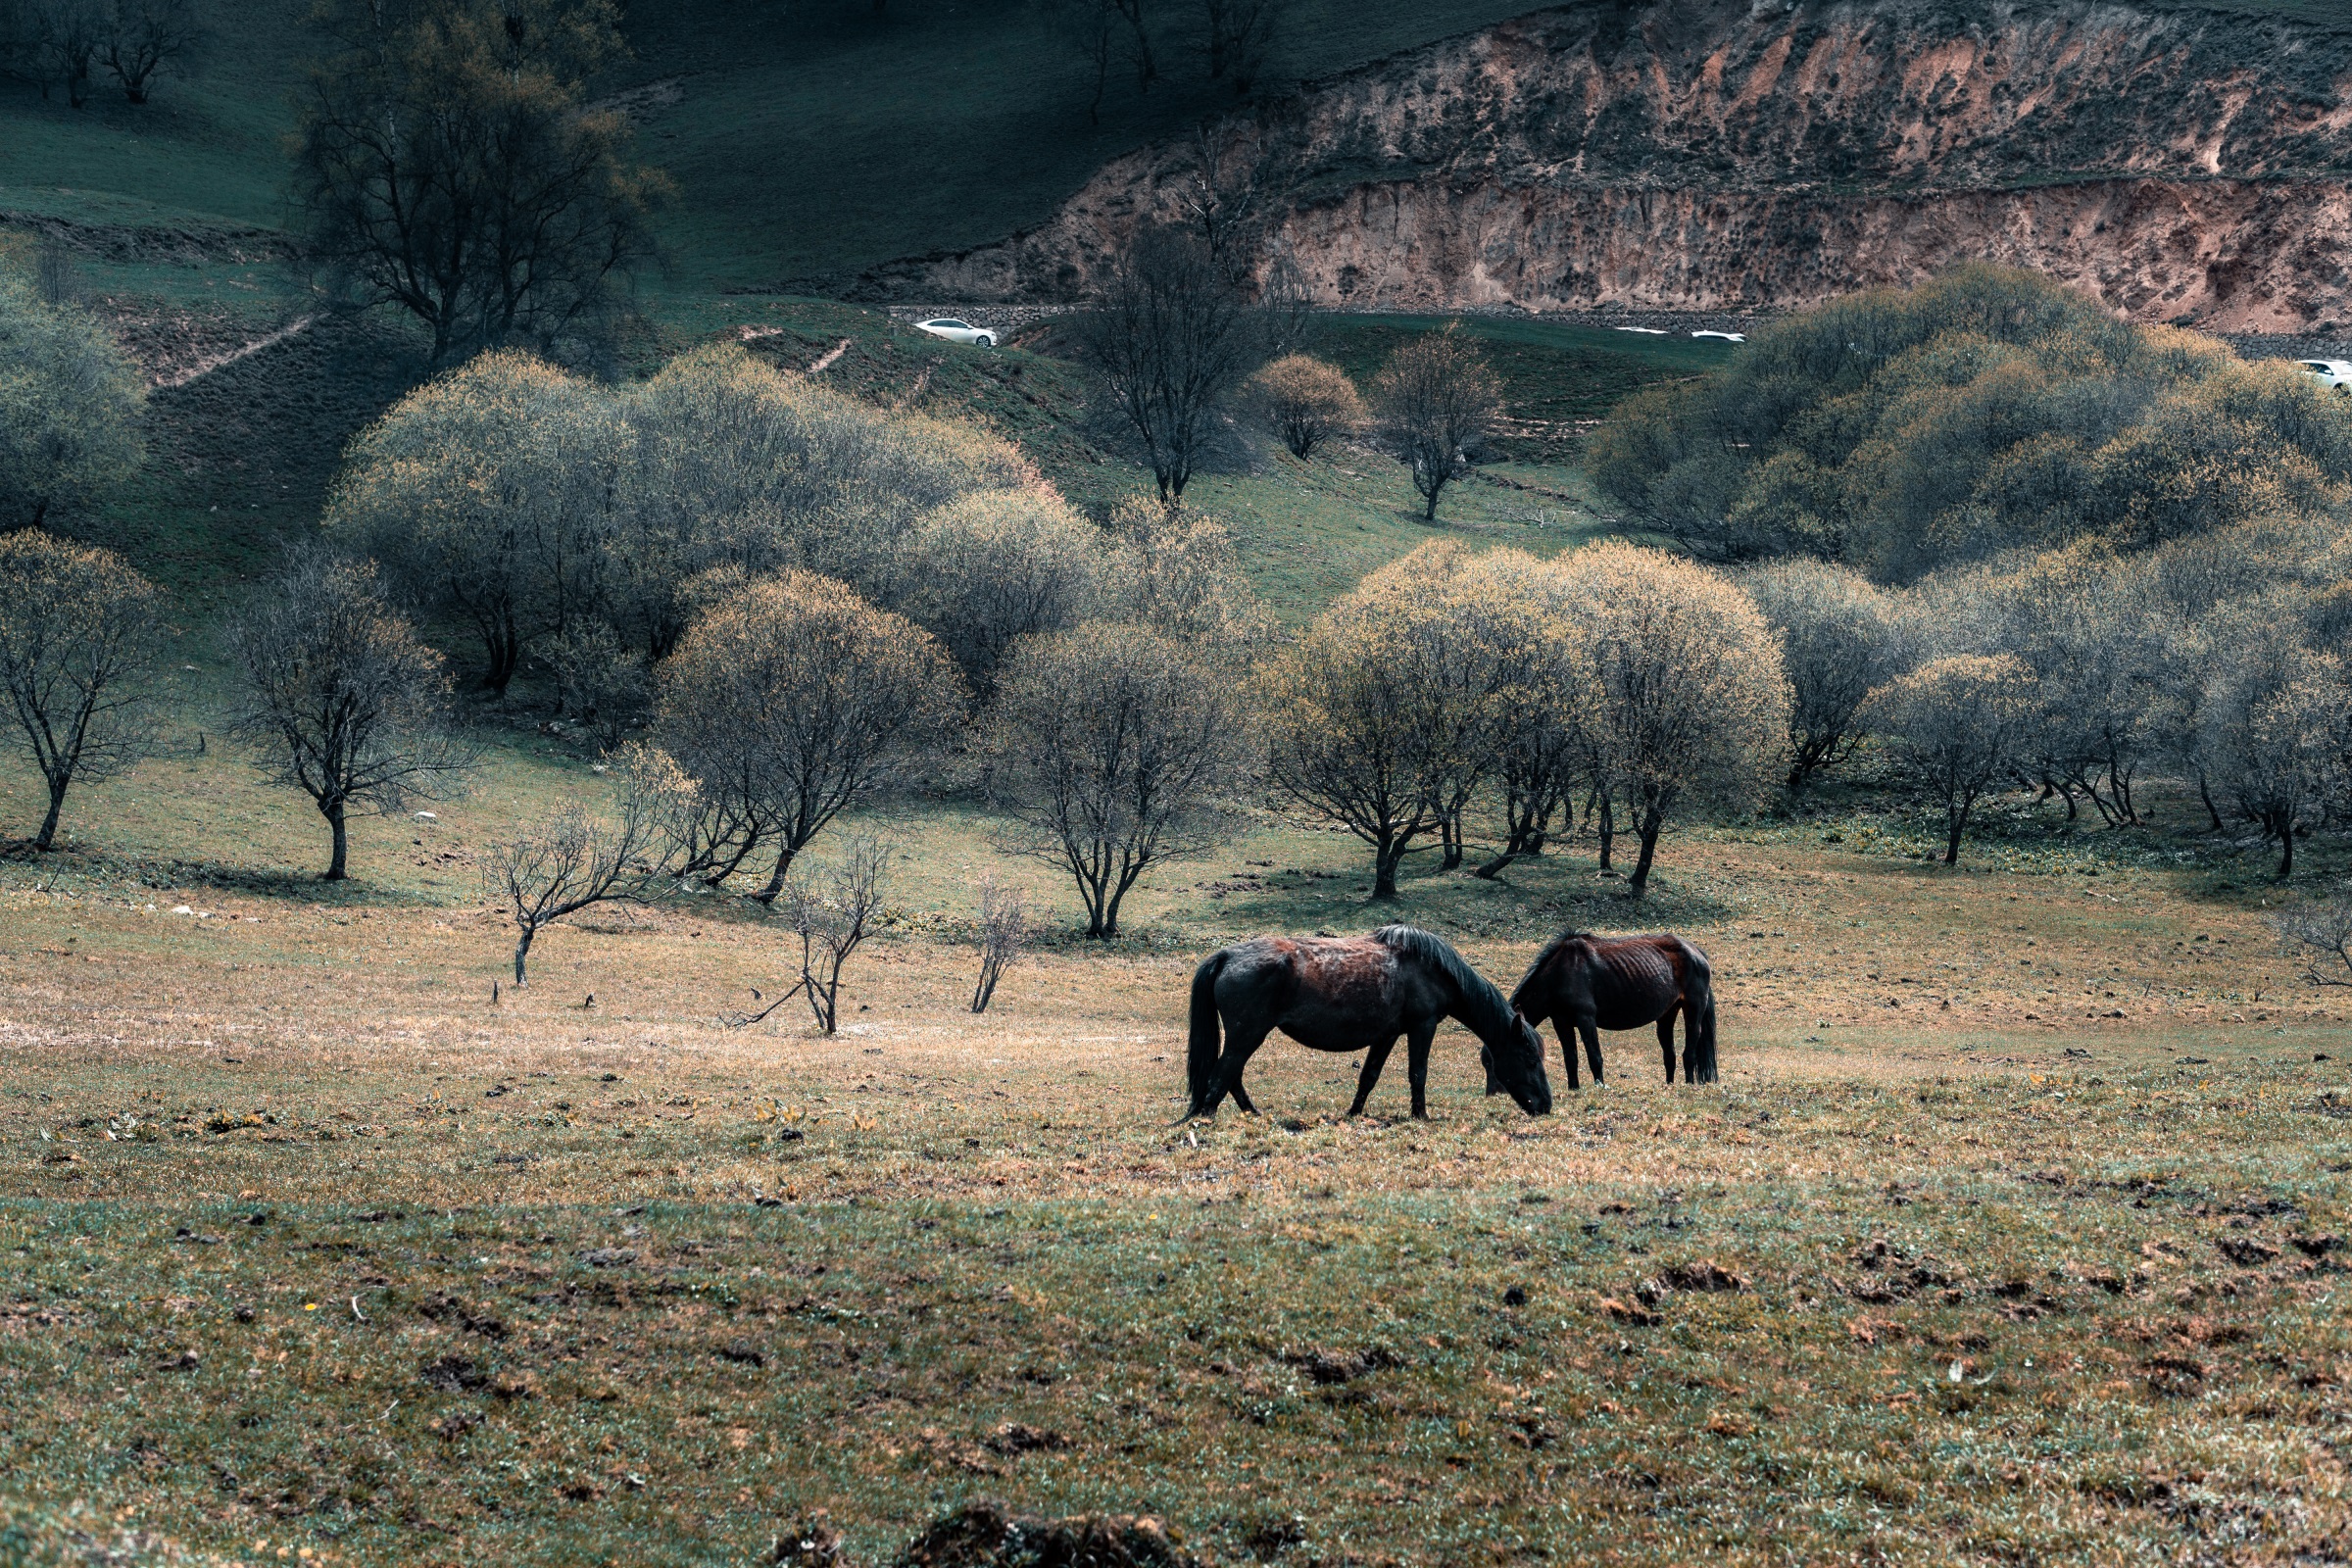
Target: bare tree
x=1090 y=29
x=79 y=631
x=2321 y=930
x=68 y=42
x=1237 y=33
x=832 y=915
x=1962 y=722
x=575 y=859
x=344 y=701
x=792 y=699
x=1170 y=338
x=1136 y=40
x=1003 y=933
x=451 y=168
x=1435 y=397
x=1841 y=638
x=1117 y=748
x=147 y=38
x=1219 y=193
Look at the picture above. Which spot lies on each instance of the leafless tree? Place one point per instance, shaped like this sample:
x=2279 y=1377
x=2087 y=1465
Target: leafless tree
x=1003 y=933
x=1090 y=29
x=2320 y=931
x=79 y=631
x=147 y=38
x=65 y=40
x=343 y=699
x=56 y=280
x=1117 y=748
x=1435 y=397
x=575 y=859
x=1237 y=33
x=1170 y=338
x=832 y=915
x=1219 y=193
x=1286 y=307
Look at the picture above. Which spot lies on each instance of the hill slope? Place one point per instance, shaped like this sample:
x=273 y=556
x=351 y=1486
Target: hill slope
x=1705 y=153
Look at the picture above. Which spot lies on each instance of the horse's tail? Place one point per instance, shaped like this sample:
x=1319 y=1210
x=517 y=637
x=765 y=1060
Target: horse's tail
x=1698 y=1018
x=1201 y=1054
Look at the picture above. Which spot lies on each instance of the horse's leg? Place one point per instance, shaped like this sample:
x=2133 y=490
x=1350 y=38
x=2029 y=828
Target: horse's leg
x=1240 y=1047
x=1666 y=1041
x=1416 y=1064
x=1592 y=1033
x=1565 y=1027
x=1374 y=1059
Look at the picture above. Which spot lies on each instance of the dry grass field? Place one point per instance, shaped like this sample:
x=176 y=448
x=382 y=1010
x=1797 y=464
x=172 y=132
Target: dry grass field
x=2010 y=1234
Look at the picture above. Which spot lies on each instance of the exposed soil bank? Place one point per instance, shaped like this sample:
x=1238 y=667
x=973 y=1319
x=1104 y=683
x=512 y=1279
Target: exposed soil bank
x=1718 y=154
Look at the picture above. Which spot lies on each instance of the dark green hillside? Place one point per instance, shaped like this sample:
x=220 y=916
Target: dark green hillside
x=807 y=141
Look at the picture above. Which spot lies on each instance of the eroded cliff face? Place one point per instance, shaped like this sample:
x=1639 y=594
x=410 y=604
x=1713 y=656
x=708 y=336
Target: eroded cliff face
x=1724 y=154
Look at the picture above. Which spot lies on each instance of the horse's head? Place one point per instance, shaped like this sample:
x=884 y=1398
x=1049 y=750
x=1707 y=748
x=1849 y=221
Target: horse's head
x=1515 y=1064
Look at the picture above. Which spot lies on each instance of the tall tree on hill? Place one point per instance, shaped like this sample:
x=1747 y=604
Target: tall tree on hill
x=1172 y=337
x=451 y=168
x=148 y=38
x=1435 y=396
x=1237 y=33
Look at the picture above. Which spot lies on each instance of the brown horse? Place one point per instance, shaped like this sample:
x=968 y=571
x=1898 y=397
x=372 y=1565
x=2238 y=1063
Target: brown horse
x=1351 y=994
x=1585 y=983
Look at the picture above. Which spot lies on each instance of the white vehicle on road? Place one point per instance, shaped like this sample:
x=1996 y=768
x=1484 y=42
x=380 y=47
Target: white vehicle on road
x=2336 y=373
x=955 y=331
x=1727 y=337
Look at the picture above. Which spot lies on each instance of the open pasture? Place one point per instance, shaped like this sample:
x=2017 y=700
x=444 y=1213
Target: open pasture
x=312 y=1247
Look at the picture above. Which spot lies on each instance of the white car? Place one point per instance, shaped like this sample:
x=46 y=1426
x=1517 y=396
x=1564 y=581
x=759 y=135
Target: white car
x=955 y=331
x=2336 y=373
x=1727 y=337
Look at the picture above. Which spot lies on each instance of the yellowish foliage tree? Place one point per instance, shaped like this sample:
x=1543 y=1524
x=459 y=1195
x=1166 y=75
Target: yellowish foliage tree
x=1691 y=697
x=792 y=699
x=1305 y=401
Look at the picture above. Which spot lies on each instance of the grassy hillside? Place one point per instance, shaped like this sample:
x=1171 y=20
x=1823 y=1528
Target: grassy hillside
x=808 y=142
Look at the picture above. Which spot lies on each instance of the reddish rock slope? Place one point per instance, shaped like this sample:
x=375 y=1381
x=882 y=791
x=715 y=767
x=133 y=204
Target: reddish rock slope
x=1727 y=154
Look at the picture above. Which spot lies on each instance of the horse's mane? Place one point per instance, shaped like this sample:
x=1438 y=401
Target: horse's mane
x=1485 y=1009
x=1543 y=958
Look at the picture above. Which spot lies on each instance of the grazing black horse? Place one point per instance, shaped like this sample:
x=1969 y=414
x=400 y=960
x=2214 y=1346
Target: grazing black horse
x=1348 y=994
x=1585 y=983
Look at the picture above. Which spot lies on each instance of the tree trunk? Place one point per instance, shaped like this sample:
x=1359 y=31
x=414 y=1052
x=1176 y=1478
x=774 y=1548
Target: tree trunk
x=1647 y=831
x=335 y=866
x=2286 y=851
x=775 y=878
x=1608 y=832
x=57 y=806
x=1450 y=831
x=2205 y=793
x=1955 y=816
x=1384 y=858
x=522 y=951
